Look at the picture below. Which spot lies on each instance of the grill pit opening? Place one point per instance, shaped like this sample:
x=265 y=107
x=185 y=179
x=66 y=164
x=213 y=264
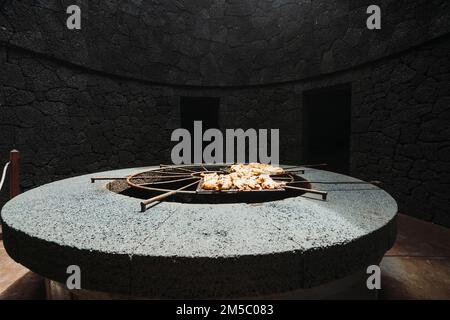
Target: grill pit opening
x=175 y=177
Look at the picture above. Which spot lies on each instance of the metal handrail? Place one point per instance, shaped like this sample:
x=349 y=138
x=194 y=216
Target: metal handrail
x=4 y=175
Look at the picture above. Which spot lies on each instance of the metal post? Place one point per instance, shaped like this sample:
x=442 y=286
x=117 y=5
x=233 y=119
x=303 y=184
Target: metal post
x=14 y=162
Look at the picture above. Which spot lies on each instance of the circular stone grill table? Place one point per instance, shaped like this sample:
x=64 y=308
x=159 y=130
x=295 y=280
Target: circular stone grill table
x=192 y=250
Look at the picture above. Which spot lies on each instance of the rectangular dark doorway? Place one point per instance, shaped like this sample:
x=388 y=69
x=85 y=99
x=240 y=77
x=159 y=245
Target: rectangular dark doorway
x=205 y=109
x=326 y=133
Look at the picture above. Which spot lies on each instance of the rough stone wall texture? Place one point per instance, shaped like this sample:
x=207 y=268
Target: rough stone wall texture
x=401 y=129
x=221 y=42
x=67 y=121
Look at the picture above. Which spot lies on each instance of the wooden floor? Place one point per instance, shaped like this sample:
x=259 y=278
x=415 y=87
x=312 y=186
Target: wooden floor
x=417 y=267
x=9 y=270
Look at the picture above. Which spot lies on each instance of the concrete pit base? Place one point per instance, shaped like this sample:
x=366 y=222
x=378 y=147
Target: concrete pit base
x=294 y=248
x=352 y=287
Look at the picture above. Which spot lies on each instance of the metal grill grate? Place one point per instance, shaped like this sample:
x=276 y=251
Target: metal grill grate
x=169 y=180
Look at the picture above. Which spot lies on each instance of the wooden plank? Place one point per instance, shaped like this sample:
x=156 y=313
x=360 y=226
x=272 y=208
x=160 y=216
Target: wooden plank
x=14 y=158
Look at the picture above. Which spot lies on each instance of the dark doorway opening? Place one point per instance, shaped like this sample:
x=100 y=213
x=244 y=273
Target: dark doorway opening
x=326 y=134
x=205 y=109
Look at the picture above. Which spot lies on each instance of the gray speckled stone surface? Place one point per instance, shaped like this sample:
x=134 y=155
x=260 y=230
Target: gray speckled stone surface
x=192 y=250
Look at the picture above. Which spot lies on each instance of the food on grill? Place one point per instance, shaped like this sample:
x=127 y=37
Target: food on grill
x=210 y=181
x=256 y=169
x=243 y=177
x=268 y=183
x=244 y=183
x=214 y=181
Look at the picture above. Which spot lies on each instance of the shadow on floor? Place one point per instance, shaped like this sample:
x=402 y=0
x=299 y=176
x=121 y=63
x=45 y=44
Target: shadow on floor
x=29 y=287
x=418 y=266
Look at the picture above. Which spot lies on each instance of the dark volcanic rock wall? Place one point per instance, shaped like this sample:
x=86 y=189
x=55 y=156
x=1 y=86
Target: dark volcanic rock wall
x=108 y=96
x=401 y=129
x=68 y=121
x=221 y=42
